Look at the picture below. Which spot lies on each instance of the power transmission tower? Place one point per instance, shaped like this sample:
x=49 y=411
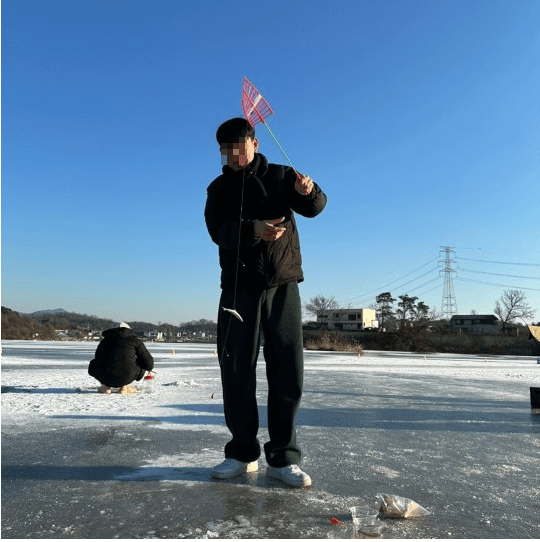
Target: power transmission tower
x=449 y=303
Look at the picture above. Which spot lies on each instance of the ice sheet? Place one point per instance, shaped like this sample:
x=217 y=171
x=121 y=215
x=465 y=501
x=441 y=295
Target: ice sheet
x=454 y=433
x=189 y=373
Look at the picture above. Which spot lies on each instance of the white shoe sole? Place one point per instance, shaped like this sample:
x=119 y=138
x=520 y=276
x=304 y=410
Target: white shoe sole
x=300 y=481
x=242 y=469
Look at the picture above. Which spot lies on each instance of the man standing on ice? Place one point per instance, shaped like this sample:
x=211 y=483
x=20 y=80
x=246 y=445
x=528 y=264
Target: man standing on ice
x=250 y=215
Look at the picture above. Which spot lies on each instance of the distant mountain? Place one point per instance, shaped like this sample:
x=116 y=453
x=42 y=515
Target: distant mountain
x=54 y=312
x=62 y=319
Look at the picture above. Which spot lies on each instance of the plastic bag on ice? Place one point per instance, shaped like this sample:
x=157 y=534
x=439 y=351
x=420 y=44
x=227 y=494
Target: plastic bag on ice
x=400 y=507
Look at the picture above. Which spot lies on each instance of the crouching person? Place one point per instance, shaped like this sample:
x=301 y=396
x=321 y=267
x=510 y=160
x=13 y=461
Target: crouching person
x=120 y=359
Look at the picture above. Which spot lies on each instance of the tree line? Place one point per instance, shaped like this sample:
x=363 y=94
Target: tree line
x=18 y=327
x=43 y=326
x=410 y=311
x=74 y=321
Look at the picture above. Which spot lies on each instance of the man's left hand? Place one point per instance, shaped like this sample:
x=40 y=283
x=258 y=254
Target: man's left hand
x=304 y=185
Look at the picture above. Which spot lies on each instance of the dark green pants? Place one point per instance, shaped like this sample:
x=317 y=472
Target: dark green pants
x=278 y=312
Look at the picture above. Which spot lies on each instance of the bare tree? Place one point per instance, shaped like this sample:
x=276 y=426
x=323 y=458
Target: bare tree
x=512 y=306
x=320 y=305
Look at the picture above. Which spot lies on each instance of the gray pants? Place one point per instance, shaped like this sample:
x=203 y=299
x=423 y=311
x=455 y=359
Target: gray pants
x=278 y=312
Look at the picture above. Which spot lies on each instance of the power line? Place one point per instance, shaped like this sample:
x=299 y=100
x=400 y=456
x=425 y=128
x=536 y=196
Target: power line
x=438 y=278
x=430 y=290
x=378 y=290
x=419 y=277
x=498 y=274
x=502 y=263
x=450 y=268
x=368 y=296
x=367 y=300
x=494 y=284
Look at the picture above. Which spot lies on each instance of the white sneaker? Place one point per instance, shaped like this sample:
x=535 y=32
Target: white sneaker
x=292 y=475
x=232 y=467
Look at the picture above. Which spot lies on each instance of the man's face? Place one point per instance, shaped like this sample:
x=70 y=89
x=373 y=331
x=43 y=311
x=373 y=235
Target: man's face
x=239 y=155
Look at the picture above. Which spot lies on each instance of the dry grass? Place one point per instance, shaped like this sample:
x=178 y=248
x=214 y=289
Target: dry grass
x=334 y=343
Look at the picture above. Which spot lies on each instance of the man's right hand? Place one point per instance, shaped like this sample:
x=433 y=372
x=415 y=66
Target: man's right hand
x=267 y=229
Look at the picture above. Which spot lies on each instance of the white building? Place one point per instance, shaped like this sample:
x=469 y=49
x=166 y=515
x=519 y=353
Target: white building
x=349 y=319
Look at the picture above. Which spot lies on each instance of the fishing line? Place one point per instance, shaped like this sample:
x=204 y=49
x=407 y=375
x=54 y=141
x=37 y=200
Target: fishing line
x=233 y=311
x=256 y=109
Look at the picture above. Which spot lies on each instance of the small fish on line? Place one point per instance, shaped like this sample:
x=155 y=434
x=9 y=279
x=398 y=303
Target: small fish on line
x=234 y=313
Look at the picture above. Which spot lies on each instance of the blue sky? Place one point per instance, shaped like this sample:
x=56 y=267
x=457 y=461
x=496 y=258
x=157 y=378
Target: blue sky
x=419 y=119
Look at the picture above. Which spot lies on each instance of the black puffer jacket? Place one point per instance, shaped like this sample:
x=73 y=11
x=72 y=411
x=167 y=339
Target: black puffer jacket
x=120 y=358
x=269 y=193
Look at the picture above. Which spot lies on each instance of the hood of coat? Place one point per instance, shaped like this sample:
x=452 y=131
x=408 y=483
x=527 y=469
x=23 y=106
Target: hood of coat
x=123 y=332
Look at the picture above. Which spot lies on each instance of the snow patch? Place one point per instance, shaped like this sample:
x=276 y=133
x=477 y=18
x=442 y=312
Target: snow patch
x=504 y=469
x=385 y=471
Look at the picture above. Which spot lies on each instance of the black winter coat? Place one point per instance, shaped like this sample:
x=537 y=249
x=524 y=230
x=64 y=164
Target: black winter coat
x=120 y=358
x=269 y=193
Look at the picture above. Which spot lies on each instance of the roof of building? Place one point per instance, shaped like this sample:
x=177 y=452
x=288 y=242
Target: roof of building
x=535 y=333
x=474 y=317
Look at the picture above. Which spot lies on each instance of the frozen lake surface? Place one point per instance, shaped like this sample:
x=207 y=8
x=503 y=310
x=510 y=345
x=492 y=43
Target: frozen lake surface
x=455 y=433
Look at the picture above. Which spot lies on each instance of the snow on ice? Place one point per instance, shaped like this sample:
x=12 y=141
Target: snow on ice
x=52 y=378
